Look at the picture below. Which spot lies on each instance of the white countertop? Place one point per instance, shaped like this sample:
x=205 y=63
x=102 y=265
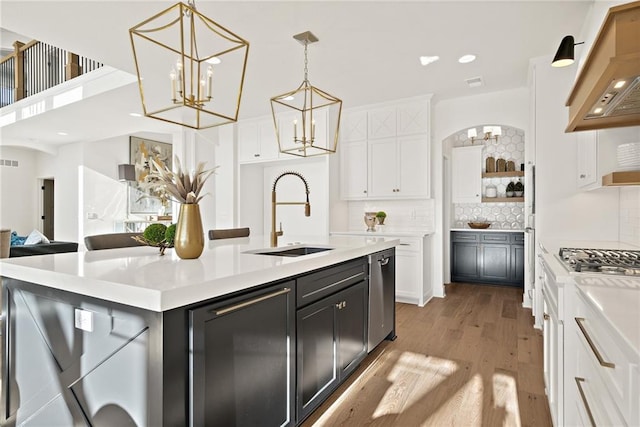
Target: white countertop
x=618 y=300
x=384 y=233
x=484 y=230
x=140 y=277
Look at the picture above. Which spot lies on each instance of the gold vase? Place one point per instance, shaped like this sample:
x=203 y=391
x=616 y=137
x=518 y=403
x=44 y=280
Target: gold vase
x=189 y=240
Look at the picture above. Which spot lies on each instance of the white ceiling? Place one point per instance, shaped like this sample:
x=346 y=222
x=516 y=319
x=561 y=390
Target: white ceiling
x=368 y=51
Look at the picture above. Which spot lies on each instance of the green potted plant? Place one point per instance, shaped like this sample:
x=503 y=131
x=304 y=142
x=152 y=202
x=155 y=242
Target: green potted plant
x=158 y=235
x=380 y=216
x=510 y=189
x=518 y=189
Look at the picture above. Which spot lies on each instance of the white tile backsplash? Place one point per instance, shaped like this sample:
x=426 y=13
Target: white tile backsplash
x=402 y=215
x=500 y=215
x=630 y=215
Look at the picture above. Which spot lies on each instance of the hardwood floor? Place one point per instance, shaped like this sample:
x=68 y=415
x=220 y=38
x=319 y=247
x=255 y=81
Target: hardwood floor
x=470 y=359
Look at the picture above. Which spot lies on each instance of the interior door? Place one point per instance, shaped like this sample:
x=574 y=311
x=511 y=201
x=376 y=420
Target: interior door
x=47 y=207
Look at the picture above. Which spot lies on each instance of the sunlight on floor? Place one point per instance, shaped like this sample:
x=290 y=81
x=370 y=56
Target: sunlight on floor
x=412 y=377
x=463 y=407
x=505 y=396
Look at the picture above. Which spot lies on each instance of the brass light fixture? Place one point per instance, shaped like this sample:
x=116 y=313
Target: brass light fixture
x=190 y=69
x=307 y=119
x=490 y=132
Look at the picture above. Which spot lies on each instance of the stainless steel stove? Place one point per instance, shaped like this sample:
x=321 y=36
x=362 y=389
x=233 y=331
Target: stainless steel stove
x=603 y=261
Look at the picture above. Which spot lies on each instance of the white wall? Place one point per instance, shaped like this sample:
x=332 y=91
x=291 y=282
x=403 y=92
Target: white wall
x=509 y=107
x=19 y=190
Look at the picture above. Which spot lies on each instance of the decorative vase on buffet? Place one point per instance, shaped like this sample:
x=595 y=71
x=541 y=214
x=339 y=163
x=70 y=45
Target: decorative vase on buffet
x=185 y=189
x=189 y=240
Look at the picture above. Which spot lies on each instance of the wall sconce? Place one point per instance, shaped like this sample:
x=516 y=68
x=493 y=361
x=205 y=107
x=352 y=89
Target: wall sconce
x=490 y=132
x=565 y=54
x=126 y=173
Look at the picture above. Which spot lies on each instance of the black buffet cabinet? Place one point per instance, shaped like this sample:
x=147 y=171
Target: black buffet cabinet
x=487 y=257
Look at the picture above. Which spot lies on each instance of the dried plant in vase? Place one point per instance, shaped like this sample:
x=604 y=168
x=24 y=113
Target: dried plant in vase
x=185 y=188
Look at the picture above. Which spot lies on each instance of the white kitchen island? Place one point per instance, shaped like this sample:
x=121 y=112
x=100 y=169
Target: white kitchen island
x=129 y=337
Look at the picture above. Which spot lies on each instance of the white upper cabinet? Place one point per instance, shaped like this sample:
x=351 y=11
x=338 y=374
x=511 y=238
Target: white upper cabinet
x=353 y=170
x=587 y=149
x=382 y=123
x=391 y=142
x=257 y=141
x=353 y=126
x=466 y=174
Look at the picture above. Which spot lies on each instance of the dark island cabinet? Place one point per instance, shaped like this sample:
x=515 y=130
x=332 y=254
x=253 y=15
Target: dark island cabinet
x=331 y=330
x=241 y=361
x=486 y=257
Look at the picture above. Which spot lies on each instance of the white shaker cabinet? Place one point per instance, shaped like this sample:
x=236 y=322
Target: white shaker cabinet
x=353 y=170
x=466 y=174
x=396 y=168
x=396 y=137
x=257 y=141
x=587 y=150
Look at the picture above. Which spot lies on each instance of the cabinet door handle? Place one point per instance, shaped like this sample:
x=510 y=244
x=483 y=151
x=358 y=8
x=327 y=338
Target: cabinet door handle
x=243 y=304
x=579 y=321
x=341 y=305
x=546 y=316
x=256 y=155
x=384 y=261
x=365 y=191
x=579 y=382
x=582 y=176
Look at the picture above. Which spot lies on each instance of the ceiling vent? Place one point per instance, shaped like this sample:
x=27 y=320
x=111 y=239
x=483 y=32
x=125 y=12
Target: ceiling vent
x=474 y=81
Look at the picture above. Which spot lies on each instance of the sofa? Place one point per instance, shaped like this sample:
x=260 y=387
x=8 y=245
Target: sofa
x=37 y=245
x=53 y=247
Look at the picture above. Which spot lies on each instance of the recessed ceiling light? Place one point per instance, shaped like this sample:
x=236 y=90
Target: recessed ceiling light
x=215 y=60
x=63 y=133
x=426 y=60
x=135 y=114
x=465 y=59
x=598 y=110
x=620 y=84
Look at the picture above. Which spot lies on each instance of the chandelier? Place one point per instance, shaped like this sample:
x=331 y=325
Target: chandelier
x=307 y=119
x=190 y=69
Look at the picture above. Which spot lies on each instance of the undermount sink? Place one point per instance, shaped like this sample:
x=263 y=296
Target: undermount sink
x=290 y=252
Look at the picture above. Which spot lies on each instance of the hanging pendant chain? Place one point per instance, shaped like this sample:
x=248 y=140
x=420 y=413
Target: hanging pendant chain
x=306 y=63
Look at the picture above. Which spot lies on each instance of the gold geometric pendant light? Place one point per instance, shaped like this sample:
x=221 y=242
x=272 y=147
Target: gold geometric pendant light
x=190 y=69
x=307 y=119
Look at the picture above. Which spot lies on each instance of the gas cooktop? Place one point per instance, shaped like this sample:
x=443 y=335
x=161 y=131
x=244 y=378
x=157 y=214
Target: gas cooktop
x=603 y=261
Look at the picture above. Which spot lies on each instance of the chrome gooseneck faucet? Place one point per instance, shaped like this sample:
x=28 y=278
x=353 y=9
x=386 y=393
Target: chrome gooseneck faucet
x=274 y=203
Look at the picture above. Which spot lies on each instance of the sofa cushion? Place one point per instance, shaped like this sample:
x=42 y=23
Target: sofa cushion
x=35 y=238
x=17 y=240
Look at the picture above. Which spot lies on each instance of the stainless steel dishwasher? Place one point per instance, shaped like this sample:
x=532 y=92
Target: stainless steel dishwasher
x=382 y=293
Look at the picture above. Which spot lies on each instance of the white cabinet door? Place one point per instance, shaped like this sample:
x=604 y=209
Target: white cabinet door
x=466 y=171
x=413 y=167
x=383 y=168
x=353 y=126
x=382 y=123
x=353 y=170
x=257 y=141
x=268 y=142
x=413 y=118
x=587 y=150
x=248 y=147
x=408 y=281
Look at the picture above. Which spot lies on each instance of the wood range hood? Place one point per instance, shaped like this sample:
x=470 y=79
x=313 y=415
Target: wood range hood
x=595 y=102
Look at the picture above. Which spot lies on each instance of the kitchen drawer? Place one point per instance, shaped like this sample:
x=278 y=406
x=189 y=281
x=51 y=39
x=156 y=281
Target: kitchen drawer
x=595 y=405
x=408 y=245
x=517 y=238
x=495 y=237
x=464 y=236
x=322 y=283
x=614 y=367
